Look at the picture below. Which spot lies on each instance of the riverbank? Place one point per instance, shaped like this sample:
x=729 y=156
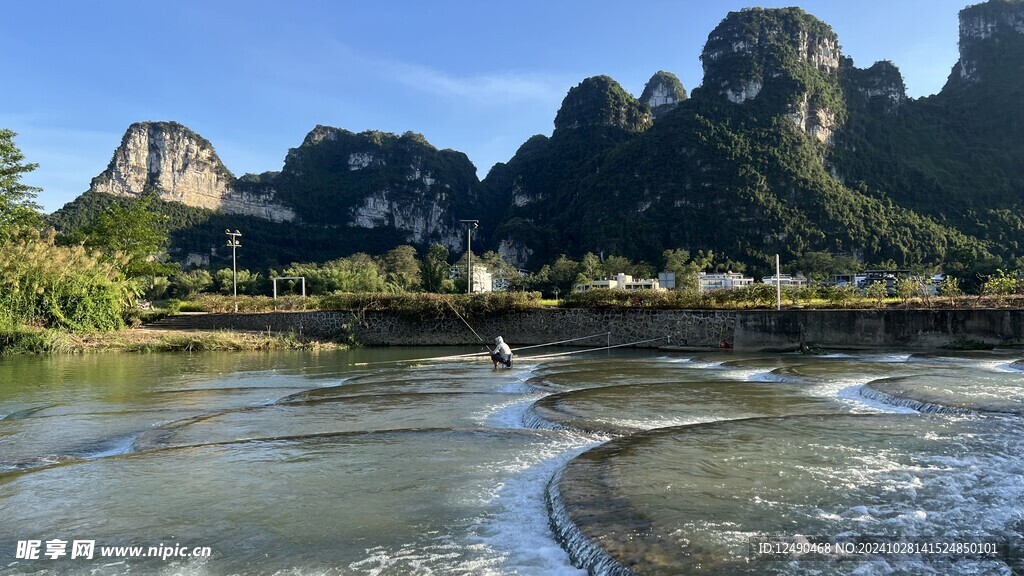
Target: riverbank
x=28 y=340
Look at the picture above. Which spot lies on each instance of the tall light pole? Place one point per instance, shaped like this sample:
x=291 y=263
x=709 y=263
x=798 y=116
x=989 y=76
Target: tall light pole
x=778 y=284
x=234 y=244
x=470 y=226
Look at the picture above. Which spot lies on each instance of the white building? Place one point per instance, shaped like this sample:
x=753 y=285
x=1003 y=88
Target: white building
x=482 y=278
x=722 y=281
x=798 y=281
x=620 y=282
x=855 y=280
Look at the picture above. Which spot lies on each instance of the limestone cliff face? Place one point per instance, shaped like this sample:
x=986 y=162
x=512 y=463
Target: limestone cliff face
x=663 y=93
x=398 y=185
x=180 y=166
x=783 y=57
x=989 y=32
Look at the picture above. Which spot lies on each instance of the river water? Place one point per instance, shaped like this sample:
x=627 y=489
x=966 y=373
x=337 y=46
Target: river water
x=375 y=461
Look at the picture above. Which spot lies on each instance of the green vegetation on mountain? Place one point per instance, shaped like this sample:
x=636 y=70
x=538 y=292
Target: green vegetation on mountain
x=786 y=148
x=785 y=51
x=601 y=101
x=662 y=93
x=956 y=156
x=329 y=177
x=200 y=232
x=738 y=168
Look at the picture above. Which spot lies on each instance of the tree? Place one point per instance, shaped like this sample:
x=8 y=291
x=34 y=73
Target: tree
x=17 y=200
x=248 y=282
x=1000 y=285
x=907 y=288
x=839 y=295
x=972 y=267
x=950 y=288
x=643 y=269
x=435 y=268
x=135 y=234
x=821 y=266
x=401 y=268
x=877 y=291
x=617 y=265
x=356 y=273
x=591 y=266
x=686 y=269
x=564 y=274
x=497 y=266
x=185 y=284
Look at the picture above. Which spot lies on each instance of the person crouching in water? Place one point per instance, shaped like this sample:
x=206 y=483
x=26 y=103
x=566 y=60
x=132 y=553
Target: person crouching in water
x=501 y=354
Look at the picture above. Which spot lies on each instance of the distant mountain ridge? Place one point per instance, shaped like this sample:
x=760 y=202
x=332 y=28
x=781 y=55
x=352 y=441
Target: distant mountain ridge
x=786 y=147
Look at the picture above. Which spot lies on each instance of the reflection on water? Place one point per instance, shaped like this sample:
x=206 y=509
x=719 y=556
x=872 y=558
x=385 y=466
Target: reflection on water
x=375 y=461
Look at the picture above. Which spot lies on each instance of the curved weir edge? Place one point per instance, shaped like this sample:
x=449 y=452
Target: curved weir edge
x=583 y=552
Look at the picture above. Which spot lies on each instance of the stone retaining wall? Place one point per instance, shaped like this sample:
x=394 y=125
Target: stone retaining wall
x=690 y=328
x=319 y=324
x=744 y=330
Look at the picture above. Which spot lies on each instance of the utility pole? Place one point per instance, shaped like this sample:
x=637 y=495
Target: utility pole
x=234 y=244
x=470 y=226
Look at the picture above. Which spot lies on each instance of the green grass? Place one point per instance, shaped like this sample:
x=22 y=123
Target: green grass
x=32 y=340
x=28 y=340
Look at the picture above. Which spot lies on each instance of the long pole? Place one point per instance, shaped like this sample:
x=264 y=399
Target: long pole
x=778 y=284
x=235 y=245
x=470 y=224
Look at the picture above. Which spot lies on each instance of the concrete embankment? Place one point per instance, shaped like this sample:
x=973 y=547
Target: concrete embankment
x=884 y=329
x=753 y=330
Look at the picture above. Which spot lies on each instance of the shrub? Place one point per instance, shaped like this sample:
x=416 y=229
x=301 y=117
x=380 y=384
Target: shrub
x=1001 y=285
x=661 y=299
x=757 y=295
x=877 y=291
x=907 y=288
x=840 y=295
x=185 y=284
x=950 y=288
x=60 y=286
x=430 y=305
x=219 y=304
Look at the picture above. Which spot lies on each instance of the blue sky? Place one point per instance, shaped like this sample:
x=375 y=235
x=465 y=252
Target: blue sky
x=255 y=76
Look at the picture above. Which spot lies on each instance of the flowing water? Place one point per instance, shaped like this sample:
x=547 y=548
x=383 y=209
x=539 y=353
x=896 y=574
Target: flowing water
x=374 y=461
